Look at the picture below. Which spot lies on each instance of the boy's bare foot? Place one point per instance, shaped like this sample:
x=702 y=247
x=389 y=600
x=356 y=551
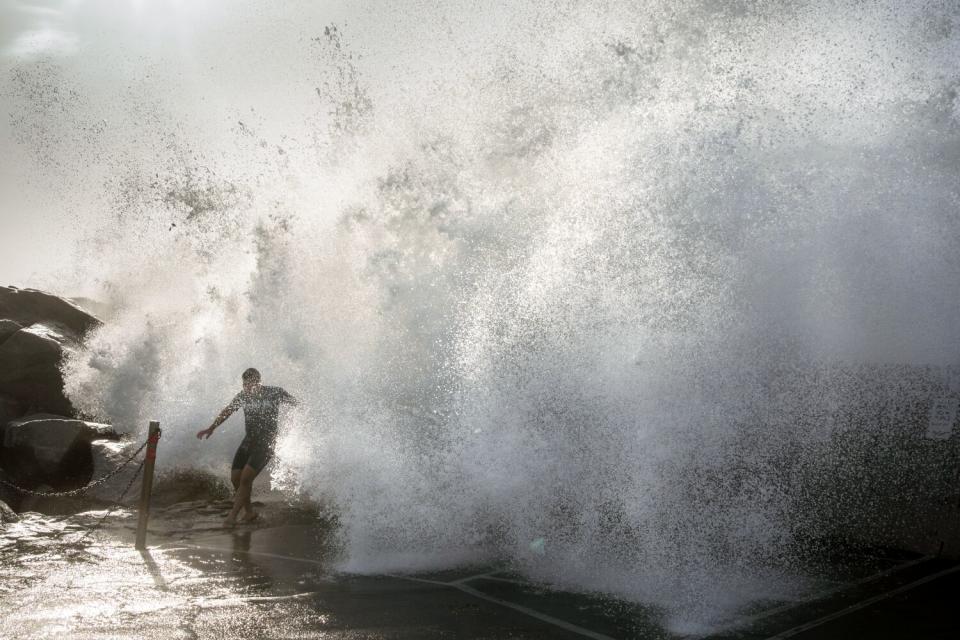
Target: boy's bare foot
x=250 y=517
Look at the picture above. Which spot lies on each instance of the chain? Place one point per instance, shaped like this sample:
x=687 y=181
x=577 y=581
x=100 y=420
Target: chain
x=116 y=504
x=82 y=489
x=136 y=474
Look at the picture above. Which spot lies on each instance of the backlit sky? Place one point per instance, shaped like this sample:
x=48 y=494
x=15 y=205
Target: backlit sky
x=77 y=78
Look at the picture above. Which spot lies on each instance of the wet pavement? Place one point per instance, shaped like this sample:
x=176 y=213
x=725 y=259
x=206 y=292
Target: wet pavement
x=277 y=580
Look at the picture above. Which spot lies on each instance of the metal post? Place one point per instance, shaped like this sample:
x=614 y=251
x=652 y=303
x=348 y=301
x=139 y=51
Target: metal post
x=152 y=439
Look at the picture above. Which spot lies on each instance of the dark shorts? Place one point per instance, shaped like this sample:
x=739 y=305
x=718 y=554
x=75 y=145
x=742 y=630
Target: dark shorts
x=255 y=454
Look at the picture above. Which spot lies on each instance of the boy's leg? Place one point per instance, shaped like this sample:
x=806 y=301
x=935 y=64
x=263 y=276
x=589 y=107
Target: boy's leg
x=247 y=507
x=240 y=459
x=241 y=499
x=259 y=458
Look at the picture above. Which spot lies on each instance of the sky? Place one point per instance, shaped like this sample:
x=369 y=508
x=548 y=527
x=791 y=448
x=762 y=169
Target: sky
x=80 y=78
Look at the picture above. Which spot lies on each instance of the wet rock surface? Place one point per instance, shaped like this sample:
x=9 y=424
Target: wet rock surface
x=36 y=329
x=7 y=515
x=57 y=579
x=51 y=436
x=277 y=579
x=54 y=451
x=29 y=306
x=106 y=456
x=8 y=328
x=46 y=450
x=79 y=577
x=30 y=366
x=10 y=408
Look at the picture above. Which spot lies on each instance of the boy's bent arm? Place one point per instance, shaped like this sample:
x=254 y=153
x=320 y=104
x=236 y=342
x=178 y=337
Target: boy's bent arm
x=287 y=398
x=220 y=419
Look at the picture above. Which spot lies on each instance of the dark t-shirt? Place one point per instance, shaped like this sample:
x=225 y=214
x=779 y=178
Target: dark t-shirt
x=260 y=412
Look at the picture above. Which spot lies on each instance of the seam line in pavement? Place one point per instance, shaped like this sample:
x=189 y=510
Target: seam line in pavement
x=533 y=614
x=789 y=633
x=740 y=622
x=460 y=586
x=491 y=576
x=453 y=585
x=397 y=576
x=476 y=577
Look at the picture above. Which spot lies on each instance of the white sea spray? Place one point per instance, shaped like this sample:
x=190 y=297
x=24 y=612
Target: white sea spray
x=581 y=276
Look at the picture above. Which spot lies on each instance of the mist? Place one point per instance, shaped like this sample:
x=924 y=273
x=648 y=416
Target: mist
x=577 y=272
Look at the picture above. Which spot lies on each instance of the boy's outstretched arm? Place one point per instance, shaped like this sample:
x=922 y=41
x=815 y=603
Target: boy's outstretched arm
x=221 y=417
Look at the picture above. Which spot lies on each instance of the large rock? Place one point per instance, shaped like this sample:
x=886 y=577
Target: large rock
x=95 y=308
x=107 y=456
x=30 y=367
x=10 y=409
x=51 y=450
x=7 y=515
x=8 y=328
x=36 y=330
x=29 y=306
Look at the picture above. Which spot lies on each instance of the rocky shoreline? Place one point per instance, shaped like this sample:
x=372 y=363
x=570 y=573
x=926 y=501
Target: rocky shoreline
x=46 y=446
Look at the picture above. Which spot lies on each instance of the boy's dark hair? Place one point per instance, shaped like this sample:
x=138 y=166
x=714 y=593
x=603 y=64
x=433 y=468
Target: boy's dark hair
x=251 y=375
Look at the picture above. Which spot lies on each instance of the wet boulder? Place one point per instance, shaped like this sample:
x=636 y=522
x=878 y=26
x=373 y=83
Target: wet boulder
x=29 y=306
x=36 y=330
x=107 y=456
x=97 y=309
x=51 y=449
x=10 y=409
x=30 y=366
x=7 y=515
x=8 y=328
x=7 y=494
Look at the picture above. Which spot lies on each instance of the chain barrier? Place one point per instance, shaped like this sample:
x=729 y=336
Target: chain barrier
x=83 y=489
x=115 y=504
